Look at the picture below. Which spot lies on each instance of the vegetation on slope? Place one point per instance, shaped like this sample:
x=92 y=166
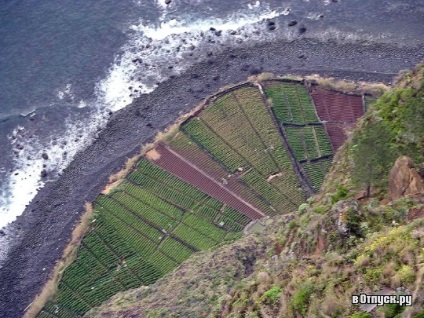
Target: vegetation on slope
x=342 y=242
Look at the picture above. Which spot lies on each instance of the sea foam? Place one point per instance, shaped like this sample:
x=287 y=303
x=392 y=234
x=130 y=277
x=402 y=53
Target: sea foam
x=151 y=55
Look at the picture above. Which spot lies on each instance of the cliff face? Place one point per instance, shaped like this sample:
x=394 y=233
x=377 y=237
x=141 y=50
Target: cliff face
x=404 y=179
x=342 y=242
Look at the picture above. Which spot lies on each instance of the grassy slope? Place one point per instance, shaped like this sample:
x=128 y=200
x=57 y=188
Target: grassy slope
x=307 y=264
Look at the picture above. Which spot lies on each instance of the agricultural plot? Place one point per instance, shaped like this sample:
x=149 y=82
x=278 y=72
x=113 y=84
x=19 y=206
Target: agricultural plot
x=317 y=170
x=308 y=142
x=237 y=161
x=291 y=103
x=306 y=135
x=241 y=123
x=142 y=230
x=338 y=111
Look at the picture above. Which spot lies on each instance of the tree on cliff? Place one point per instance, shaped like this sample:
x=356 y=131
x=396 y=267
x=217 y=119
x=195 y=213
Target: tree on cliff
x=372 y=155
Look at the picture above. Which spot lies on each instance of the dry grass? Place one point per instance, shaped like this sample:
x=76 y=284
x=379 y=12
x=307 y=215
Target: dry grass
x=69 y=255
x=261 y=77
x=349 y=87
x=116 y=179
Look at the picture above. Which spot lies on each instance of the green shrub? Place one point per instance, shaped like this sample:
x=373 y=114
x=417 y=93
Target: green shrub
x=302 y=208
x=320 y=210
x=406 y=274
x=393 y=311
x=292 y=225
x=300 y=299
x=272 y=295
x=340 y=194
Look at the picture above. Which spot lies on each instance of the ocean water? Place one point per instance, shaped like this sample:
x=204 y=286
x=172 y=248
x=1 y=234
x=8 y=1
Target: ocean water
x=66 y=66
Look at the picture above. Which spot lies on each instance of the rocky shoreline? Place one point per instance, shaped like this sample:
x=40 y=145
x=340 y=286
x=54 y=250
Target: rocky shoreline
x=46 y=225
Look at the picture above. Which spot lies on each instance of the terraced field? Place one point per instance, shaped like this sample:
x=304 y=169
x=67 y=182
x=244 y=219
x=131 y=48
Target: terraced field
x=338 y=111
x=306 y=135
x=254 y=151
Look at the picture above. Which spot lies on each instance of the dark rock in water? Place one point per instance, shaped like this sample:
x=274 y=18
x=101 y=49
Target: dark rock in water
x=19 y=147
x=212 y=29
x=168 y=1
x=233 y=32
x=215 y=78
x=43 y=174
x=2 y=233
x=195 y=76
x=45 y=156
x=271 y=25
x=301 y=56
x=292 y=23
x=149 y=125
x=302 y=29
x=245 y=67
x=137 y=60
x=256 y=70
x=218 y=33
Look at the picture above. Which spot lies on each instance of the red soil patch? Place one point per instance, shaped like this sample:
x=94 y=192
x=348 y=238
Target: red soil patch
x=415 y=213
x=320 y=245
x=184 y=169
x=213 y=169
x=338 y=111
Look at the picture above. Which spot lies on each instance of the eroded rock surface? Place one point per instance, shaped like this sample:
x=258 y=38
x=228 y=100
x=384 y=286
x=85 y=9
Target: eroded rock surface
x=404 y=179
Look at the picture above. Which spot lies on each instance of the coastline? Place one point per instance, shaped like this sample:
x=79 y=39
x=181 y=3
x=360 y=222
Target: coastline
x=48 y=221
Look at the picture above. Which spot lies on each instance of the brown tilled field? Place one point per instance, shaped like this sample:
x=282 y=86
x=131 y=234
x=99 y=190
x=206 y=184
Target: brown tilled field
x=338 y=111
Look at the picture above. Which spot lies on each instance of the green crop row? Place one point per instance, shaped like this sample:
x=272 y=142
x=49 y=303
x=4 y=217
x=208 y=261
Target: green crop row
x=154 y=172
x=214 y=145
x=163 y=262
x=288 y=185
x=324 y=141
x=240 y=134
x=279 y=104
x=257 y=182
x=146 y=212
x=175 y=249
x=193 y=237
x=154 y=201
x=169 y=194
x=134 y=236
x=296 y=141
x=130 y=218
x=258 y=115
x=204 y=227
x=100 y=249
x=206 y=212
x=317 y=171
x=236 y=216
x=291 y=103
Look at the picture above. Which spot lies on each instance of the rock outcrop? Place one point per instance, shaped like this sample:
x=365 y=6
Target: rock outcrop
x=404 y=179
